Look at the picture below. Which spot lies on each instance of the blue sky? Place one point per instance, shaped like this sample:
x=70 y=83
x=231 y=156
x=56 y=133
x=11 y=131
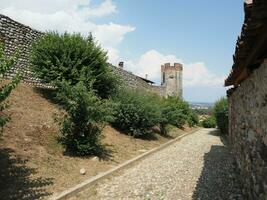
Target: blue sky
x=145 y=33
x=192 y=30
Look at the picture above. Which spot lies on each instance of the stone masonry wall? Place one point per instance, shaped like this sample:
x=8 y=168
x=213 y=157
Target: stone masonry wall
x=171 y=78
x=248 y=132
x=135 y=82
x=17 y=37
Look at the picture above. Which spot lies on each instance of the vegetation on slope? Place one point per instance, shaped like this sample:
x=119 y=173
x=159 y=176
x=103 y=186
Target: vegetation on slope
x=85 y=118
x=209 y=122
x=78 y=68
x=5 y=89
x=136 y=112
x=31 y=136
x=72 y=58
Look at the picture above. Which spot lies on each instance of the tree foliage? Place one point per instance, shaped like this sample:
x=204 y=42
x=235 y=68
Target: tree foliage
x=192 y=118
x=6 y=63
x=85 y=118
x=136 y=112
x=221 y=114
x=210 y=122
x=72 y=58
x=177 y=112
x=77 y=66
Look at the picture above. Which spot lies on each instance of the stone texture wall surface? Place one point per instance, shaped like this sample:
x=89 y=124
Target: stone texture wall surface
x=134 y=82
x=171 y=79
x=248 y=132
x=17 y=38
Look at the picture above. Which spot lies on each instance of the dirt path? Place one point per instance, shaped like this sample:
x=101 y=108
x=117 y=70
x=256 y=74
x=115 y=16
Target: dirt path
x=199 y=166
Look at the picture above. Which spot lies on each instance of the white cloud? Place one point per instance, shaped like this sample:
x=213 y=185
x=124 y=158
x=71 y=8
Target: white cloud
x=105 y=8
x=194 y=74
x=149 y=63
x=84 y=7
x=113 y=55
x=71 y=16
x=197 y=74
x=111 y=34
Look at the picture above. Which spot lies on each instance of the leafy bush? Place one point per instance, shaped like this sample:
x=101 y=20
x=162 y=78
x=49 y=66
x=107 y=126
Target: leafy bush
x=136 y=112
x=208 y=111
x=5 y=89
x=221 y=114
x=209 y=122
x=84 y=120
x=192 y=119
x=72 y=58
x=176 y=111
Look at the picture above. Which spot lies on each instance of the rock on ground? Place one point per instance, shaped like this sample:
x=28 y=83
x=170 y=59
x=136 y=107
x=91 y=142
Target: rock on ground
x=198 y=167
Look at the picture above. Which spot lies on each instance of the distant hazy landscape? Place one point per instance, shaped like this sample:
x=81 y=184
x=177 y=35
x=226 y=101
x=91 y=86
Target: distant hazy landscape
x=200 y=105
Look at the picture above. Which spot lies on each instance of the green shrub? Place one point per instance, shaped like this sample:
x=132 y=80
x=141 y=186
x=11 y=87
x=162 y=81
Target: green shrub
x=209 y=122
x=221 y=114
x=85 y=118
x=136 y=112
x=5 y=89
x=72 y=58
x=176 y=111
x=192 y=119
x=208 y=111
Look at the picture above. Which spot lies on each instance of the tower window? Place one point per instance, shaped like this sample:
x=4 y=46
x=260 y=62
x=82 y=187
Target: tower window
x=163 y=77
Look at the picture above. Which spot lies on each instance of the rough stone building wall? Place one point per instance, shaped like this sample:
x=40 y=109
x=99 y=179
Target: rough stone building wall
x=171 y=79
x=248 y=131
x=18 y=38
x=134 y=82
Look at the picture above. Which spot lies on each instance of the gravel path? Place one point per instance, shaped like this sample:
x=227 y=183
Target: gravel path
x=199 y=166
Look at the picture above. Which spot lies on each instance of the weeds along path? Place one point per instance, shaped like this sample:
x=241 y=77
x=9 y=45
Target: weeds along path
x=199 y=166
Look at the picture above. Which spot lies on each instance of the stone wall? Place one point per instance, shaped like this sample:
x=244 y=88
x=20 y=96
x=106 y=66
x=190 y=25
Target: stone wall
x=171 y=79
x=18 y=38
x=248 y=131
x=134 y=82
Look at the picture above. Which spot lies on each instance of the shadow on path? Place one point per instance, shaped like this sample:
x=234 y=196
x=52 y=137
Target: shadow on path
x=218 y=177
x=16 y=181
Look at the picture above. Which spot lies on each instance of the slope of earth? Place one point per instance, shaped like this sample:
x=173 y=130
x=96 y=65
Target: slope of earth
x=34 y=165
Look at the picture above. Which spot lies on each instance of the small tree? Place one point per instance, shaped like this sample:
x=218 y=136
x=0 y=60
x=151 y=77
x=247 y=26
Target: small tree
x=176 y=111
x=5 y=89
x=192 y=119
x=72 y=58
x=210 y=122
x=221 y=114
x=136 y=112
x=85 y=118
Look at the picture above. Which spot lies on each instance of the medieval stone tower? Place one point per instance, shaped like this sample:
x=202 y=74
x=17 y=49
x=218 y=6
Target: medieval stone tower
x=172 y=79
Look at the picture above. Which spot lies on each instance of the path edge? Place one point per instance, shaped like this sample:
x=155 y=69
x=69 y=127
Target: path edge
x=93 y=180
